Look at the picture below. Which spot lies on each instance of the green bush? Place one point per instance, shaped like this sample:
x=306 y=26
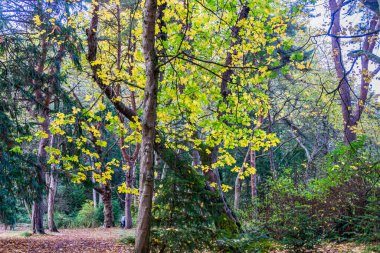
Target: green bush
x=128 y=240
x=23 y=217
x=87 y=216
x=364 y=227
x=342 y=203
x=184 y=216
x=8 y=210
x=63 y=220
x=26 y=234
x=301 y=231
x=252 y=242
x=70 y=198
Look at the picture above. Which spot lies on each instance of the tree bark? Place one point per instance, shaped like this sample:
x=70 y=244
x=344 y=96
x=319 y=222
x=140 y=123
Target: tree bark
x=351 y=117
x=94 y=193
x=253 y=176
x=38 y=206
x=42 y=111
x=128 y=196
x=51 y=198
x=239 y=181
x=107 y=209
x=37 y=216
x=52 y=181
x=213 y=175
x=148 y=128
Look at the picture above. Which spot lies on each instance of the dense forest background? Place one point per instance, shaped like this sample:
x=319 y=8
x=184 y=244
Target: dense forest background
x=217 y=125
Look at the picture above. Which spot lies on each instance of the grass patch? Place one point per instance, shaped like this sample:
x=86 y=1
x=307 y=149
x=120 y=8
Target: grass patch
x=26 y=234
x=372 y=249
x=128 y=240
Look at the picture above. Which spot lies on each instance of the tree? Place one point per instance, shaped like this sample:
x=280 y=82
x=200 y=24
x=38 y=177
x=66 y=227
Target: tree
x=351 y=111
x=148 y=127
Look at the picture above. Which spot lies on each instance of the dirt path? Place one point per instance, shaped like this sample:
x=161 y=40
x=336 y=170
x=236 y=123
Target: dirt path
x=68 y=240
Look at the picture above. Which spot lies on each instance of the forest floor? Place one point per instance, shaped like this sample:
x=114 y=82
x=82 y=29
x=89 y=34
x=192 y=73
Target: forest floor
x=92 y=240
x=347 y=247
x=67 y=240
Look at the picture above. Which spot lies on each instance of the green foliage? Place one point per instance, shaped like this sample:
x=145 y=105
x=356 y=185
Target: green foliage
x=365 y=226
x=301 y=232
x=341 y=204
x=226 y=225
x=26 y=234
x=129 y=240
x=87 y=216
x=372 y=249
x=184 y=215
x=70 y=198
x=297 y=56
x=252 y=241
x=8 y=209
x=63 y=220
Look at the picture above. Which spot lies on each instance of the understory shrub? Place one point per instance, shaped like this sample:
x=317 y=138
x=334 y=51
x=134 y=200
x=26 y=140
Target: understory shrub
x=128 y=240
x=364 y=227
x=184 y=215
x=87 y=216
x=342 y=203
x=301 y=231
x=63 y=220
x=250 y=241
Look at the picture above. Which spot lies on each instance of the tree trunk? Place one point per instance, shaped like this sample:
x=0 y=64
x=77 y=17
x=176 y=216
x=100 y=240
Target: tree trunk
x=100 y=200
x=213 y=176
x=52 y=181
x=253 y=176
x=148 y=128
x=51 y=198
x=239 y=181
x=272 y=161
x=107 y=207
x=94 y=193
x=107 y=210
x=128 y=196
x=37 y=216
x=351 y=117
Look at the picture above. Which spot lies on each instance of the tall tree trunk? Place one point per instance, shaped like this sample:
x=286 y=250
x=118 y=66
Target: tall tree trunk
x=272 y=161
x=52 y=181
x=37 y=216
x=42 y=111
x=253 y=176
x=128 y=196
x=38 y=206
x=239 y=181
x=107 y=209
x=238 y=184
x=51 y=198
x=344 y=87
x=94 y=193
x=213 y=175
x=351 y=117
x=148 y=128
